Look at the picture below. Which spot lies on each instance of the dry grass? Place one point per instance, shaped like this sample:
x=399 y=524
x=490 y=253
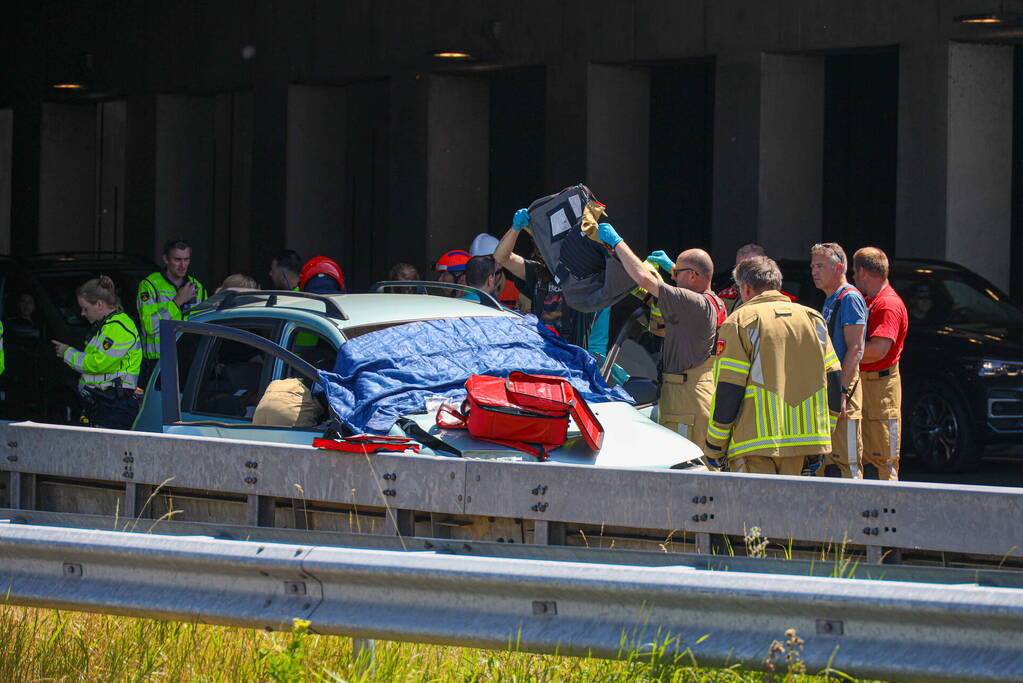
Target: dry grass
x=49 y=645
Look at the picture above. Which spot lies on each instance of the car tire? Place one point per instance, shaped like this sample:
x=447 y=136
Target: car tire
x=940 y=431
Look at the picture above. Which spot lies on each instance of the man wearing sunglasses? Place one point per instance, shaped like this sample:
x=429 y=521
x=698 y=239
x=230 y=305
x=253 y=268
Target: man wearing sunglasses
x=692 y=314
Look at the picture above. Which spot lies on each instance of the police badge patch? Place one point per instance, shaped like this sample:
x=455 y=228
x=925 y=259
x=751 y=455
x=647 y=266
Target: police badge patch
x=144 y=296
x=107 y=343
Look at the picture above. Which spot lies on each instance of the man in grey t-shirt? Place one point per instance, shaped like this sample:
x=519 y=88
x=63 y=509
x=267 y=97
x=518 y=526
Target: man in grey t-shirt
x=692 y=314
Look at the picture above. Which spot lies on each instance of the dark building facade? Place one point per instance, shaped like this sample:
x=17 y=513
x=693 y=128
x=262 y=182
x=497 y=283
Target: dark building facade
x=333 y=127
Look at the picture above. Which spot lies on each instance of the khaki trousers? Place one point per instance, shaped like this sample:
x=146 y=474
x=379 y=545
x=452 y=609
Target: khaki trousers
x=882 y=423
x=760 y=464
x=685 y=402
x=846 y=457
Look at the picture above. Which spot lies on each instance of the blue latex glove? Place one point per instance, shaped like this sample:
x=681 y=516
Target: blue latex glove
x=521 y=219
x=606 y=234
x=717 y=463
x=661 y=259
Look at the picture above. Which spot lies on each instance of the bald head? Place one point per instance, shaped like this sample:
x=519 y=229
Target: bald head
x=694 y=270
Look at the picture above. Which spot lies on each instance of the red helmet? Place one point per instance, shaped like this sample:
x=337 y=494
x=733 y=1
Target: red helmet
x=453 y=261
x=321 y=265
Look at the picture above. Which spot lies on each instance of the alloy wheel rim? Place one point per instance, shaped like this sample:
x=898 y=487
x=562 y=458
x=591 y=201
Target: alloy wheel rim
x=935 y=429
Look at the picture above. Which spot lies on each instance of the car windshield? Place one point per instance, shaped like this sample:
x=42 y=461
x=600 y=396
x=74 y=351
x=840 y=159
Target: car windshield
x=936 y=296
x=61 y=288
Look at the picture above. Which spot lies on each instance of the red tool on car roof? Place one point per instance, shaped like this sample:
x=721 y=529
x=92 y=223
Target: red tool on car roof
x=526 y=412
x=368 y=443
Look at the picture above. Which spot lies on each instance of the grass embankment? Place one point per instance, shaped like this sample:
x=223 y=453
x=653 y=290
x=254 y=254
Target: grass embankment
x=47 y=645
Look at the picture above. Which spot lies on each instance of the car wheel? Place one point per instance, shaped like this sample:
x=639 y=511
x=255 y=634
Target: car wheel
x=940 y=431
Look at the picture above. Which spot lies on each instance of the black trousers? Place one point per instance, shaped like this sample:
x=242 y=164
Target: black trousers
x=111 y=408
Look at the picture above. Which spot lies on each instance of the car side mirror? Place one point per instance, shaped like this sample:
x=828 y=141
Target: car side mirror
x=643 y=390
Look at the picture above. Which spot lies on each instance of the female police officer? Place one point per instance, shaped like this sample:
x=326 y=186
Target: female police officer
x=111 y=359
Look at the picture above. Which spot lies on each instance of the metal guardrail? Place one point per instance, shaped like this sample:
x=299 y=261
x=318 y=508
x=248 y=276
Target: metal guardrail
x=592 y=555
x=972 y=520
x=906 y=631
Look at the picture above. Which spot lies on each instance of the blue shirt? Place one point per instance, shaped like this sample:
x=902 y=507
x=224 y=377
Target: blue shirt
x=852 y=310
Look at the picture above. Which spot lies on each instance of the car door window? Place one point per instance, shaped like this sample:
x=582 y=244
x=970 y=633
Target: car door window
x=231 y=378
x=312 y=347
x=226 y=392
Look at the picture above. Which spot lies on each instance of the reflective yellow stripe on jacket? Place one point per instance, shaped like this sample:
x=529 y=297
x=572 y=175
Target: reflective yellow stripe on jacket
x=113 y=353
x=155 y=303
x=765 y=420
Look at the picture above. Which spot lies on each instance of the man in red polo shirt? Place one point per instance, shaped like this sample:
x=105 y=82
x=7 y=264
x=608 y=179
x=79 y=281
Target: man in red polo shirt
x=887 y=322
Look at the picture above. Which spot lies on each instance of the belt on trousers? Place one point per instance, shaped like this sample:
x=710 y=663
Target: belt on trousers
x=696 y=371
x=878 y=374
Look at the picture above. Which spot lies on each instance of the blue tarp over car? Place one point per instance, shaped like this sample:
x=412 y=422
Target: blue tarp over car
x=382 y=375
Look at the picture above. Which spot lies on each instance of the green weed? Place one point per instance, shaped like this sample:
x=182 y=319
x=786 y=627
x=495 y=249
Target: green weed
x=48 y=645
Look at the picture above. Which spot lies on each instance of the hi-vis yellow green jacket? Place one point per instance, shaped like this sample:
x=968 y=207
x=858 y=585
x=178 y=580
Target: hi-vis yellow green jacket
x=777 y=381
x=112 y=356
x=156 y=302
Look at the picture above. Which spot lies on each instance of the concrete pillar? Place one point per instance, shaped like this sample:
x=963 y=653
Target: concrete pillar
x=791 y=149
x=923 y=142
x=269 y=148
x=565 y=133
x=955 y=155
x=618 y=147
x=736 y=154
x=979 y=209
x=140 y=176
x=458 y=161
x=316 y=194
x=6 y=170
x=67 y=178
x=233 y=187
x=112 y=118
x=405 y=237
x=185 y=159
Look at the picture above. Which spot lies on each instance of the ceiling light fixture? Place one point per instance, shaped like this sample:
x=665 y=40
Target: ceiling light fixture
x=988 y=18
x=452 y=54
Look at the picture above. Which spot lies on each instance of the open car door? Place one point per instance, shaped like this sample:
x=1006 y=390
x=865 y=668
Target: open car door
x=626 y=356
x=212 y=379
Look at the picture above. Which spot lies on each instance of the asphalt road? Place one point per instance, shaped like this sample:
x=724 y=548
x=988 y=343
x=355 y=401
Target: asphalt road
x=1002 y=469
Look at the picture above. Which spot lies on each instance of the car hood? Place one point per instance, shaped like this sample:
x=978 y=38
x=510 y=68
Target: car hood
x=991 y=341
x=630 y=440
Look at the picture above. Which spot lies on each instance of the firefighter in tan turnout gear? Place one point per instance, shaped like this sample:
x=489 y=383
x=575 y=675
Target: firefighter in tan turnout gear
x=777 y=392
x=692 y=314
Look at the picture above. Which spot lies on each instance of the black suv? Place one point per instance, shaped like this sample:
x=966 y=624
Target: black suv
x=36 y=384
x=962 y=365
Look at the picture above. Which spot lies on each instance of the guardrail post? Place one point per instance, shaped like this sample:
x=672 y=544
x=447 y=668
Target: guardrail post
x=438 y=530
x=138 y=500
x=548 y=533
x=364 y=653
x=23 y=491
x=303 y=518
x=261 y=511
x=879 y=555
x=711 y=544
x=401 y=522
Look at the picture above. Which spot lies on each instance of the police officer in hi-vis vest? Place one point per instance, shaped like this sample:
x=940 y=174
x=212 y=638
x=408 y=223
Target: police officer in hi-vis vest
x=692 y=314
x=167 y=294
x=109 y=365
x=777 y=391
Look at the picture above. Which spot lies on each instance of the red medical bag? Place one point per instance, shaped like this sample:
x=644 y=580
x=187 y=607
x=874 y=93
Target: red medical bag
x=527 y=412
